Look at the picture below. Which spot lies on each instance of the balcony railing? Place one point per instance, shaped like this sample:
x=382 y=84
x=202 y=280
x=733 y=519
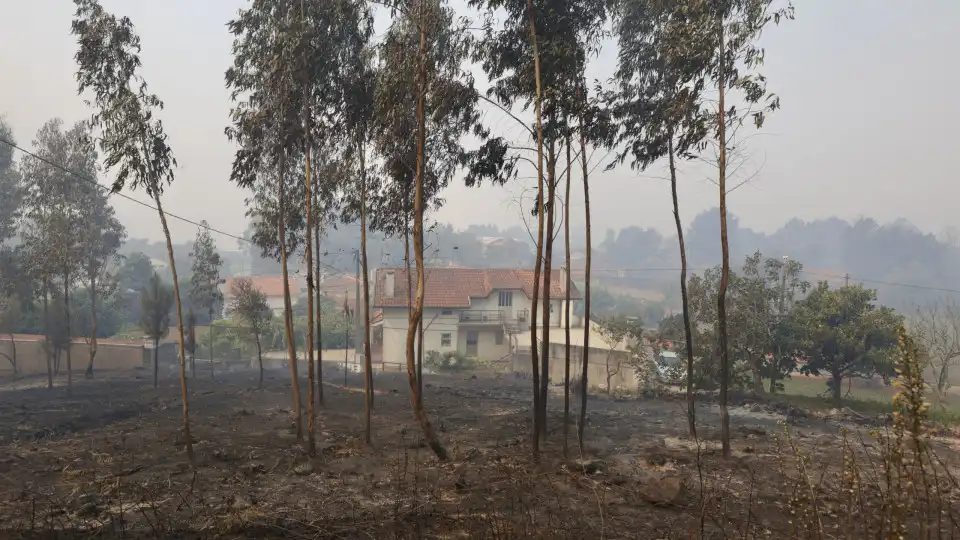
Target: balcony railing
x=496 y=316
x=493 y=316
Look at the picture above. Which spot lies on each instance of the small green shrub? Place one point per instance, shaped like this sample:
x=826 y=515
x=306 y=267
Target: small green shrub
x=451 y=361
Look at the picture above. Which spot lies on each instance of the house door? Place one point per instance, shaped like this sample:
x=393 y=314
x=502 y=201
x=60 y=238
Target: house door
x=472 y=338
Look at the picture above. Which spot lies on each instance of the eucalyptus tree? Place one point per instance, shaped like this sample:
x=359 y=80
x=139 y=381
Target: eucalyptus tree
x=12 y=187
x=421 y=62
x=285 y=84
x=732 y=27
x=535 y=56
x=15 y=290
x=101 y=235
x=156 y=301
x=266 y=127
x=131 y=137
x=54 y=205
x=205 y=281
x=361 y=77
x=659 y=114
x=674 y=51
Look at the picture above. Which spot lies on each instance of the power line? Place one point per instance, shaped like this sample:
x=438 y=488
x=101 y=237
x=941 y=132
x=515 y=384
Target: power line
x=809 y=272
x=94 y=182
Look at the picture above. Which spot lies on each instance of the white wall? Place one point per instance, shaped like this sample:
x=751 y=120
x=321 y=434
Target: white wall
x=435 y=324
x=520 y=302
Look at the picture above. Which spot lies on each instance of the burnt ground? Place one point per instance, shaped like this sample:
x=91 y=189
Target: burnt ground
x=109 y=462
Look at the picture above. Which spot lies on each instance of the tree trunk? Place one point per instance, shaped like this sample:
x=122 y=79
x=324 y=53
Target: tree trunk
x=609 y=373
x=156 y=363
x=66 y=317
x=581 y=425
x=256 y=336
x=566 y=306
x=417 y=314
x=210 y=338
x=46 y=331
x=367 y=355
x=287 y=308
x=311 y=392
x=176 y=298
x=316 y=240
x=93 y=327
x=725 y=251
x=13 y=350
x=836 y=378
x=548 y=207
x=534 y=359
x=420 y=358
x=687 y=330
x=757 y=372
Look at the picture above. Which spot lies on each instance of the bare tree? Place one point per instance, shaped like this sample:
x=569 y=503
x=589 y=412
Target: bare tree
x=936 y=329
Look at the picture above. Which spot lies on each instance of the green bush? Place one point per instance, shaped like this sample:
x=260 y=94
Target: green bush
x=447 y=362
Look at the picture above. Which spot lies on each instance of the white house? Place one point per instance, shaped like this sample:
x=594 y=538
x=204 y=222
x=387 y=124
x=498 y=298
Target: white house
x=478 y=312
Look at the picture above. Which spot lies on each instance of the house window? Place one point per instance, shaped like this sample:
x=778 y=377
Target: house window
x=506 y=299
x=499 y=337
x=445 y=340
x=447 y=312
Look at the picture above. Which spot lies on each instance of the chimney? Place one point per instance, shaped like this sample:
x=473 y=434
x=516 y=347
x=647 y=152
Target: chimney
x=389 y=282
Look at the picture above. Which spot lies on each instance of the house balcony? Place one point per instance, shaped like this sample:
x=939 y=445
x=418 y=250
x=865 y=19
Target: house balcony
x=494 y=317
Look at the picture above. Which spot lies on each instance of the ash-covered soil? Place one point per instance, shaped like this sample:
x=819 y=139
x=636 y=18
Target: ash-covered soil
x=109 y=461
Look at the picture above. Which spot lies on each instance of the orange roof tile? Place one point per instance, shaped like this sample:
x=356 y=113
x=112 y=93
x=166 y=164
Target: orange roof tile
x=453 y=287
x=268 y=285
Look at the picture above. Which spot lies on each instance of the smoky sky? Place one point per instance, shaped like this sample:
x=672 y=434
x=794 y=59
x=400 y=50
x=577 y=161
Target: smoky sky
x=866 y=88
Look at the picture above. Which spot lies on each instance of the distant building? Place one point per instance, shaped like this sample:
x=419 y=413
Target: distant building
x=477 y=312
x=271 y=287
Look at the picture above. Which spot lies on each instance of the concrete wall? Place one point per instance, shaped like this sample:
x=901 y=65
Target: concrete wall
x=625 y=379
x=32 y=356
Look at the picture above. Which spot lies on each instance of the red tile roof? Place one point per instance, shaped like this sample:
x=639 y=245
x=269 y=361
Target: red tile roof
x=454 y=287
x=268 y=285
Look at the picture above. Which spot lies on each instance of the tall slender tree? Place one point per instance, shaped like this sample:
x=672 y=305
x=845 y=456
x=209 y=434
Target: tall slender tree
x=55 y=202
x=156 y=301
x=131 y=138
x=287 y=64
x=420 y=86
x=205 y=282
x=660 y=114
x=101 y=234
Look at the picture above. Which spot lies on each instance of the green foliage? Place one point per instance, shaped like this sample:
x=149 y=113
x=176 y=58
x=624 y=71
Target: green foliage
x=448 y=362
x=131 y=137
x=12 y=187
x=55 y=202
x=156 y=302
x=249 y=308
x=849 y=335
x=205 y=282
x=764 y=334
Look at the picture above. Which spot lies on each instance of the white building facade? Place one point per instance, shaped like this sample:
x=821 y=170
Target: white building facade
x=476 y=312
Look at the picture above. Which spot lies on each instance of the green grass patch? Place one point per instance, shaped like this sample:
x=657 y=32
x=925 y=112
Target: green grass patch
x=862 y=396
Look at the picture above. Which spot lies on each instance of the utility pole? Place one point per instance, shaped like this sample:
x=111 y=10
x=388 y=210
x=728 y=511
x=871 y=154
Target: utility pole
x=846 y=279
